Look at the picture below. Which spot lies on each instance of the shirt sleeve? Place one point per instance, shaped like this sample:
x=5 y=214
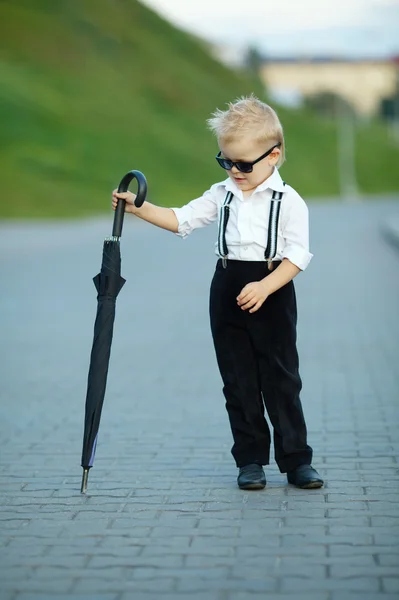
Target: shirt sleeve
x=198 y=213
x=295 y=230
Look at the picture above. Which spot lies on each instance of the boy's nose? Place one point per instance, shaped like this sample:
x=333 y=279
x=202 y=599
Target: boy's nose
x=234 y=170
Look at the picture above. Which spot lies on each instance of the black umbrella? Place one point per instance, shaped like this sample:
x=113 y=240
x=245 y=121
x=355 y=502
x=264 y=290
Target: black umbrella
x=108 y=283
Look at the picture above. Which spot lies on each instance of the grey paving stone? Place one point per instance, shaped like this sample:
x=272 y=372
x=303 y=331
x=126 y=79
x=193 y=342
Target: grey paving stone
x=173 y=596
x=362 y=596
x=97 y=596
x=388 y=559
x=391 y=539
x=7 y=595
x=164 y=561
x=248 y=585
x=15 y=573
x=367 y=584
x=52 y=573
x=391 y=584
x=280 y=596
x=41 y=586
x=348 y=550
x=159 y=585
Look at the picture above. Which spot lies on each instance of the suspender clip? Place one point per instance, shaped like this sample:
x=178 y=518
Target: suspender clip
x=224 y=262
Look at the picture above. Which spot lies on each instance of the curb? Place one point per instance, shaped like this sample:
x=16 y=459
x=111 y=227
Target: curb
x=390 y=231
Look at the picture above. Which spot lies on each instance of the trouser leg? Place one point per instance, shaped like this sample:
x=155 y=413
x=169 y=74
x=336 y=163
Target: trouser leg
x=239 y=371
x=273 y=333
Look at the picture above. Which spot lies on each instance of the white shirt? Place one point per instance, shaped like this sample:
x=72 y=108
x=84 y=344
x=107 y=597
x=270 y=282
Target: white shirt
x=247 y=228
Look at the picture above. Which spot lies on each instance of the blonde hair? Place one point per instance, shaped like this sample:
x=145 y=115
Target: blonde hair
x=248 y=115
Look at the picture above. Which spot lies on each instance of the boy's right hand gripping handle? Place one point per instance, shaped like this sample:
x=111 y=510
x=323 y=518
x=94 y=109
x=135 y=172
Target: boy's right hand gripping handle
x=123 y=187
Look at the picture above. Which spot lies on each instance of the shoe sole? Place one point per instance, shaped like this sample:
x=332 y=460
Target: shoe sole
x=252 y=486
x=312 y=485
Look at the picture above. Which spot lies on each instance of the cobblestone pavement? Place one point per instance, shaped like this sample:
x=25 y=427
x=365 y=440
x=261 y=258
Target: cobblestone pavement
x=163 y=517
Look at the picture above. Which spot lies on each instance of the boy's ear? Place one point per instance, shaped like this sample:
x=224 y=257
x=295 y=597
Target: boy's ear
x=274 y=156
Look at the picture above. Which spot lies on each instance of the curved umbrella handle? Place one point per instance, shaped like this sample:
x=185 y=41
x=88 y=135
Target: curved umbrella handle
x=123 y=187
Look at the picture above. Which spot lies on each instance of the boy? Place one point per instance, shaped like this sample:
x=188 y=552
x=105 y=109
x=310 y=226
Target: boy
x=262 y=245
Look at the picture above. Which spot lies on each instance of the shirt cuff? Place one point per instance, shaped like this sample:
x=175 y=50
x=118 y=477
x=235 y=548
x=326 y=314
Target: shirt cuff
x=299 y=256
x=184 y=228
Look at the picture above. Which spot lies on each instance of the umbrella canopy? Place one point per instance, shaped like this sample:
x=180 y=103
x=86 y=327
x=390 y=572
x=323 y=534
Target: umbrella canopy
x=108 y=284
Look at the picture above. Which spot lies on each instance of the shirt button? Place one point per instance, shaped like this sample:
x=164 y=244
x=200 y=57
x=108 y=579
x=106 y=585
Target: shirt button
x=245 y=248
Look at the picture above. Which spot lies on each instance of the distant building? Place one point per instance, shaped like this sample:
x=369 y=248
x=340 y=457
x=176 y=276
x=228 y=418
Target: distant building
x=363 y=83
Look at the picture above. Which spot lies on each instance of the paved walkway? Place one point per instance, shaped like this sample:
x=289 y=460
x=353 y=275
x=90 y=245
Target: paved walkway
x=164 y=518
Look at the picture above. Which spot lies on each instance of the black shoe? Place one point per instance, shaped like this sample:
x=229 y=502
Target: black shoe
x=251 y=477
x=305 y=477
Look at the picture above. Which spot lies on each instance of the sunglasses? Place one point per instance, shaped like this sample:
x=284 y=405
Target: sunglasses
x=244 y=167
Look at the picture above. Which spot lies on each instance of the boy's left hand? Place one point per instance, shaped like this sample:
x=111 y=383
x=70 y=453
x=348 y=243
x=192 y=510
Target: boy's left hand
x=252 y=296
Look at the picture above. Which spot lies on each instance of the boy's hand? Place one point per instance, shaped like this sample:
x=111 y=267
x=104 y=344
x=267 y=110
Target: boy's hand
x=252 y=296
x=128 y=196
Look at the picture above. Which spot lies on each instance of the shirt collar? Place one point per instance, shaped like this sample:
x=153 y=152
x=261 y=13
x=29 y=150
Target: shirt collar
x=274 y=182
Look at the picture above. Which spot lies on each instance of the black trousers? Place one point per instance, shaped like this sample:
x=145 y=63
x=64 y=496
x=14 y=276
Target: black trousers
x=258 y=362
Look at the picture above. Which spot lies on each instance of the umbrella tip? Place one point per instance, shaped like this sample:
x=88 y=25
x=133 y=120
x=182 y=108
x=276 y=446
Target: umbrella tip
x=85 y=476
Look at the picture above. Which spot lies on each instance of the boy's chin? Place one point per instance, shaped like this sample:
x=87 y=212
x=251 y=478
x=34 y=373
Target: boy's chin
x=246 y=187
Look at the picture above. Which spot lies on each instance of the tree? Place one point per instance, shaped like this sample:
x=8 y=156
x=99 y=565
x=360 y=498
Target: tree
x=329 y=104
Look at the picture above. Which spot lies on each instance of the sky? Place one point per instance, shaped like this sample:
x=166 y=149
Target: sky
x=353 y=28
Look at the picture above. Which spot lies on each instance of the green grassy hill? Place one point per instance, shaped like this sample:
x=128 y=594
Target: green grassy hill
x=93 y=88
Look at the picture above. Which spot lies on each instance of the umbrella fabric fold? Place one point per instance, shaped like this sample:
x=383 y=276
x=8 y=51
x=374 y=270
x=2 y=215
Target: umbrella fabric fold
x=108 y=283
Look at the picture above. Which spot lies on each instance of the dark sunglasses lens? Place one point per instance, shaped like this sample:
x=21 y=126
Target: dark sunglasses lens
x=224 y=163
x=244 y=167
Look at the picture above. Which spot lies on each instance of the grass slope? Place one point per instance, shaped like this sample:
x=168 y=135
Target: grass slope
x=93 y=88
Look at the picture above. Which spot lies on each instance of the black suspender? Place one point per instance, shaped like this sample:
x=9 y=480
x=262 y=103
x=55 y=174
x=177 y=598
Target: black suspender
x=224 y=218
x=271 y=246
